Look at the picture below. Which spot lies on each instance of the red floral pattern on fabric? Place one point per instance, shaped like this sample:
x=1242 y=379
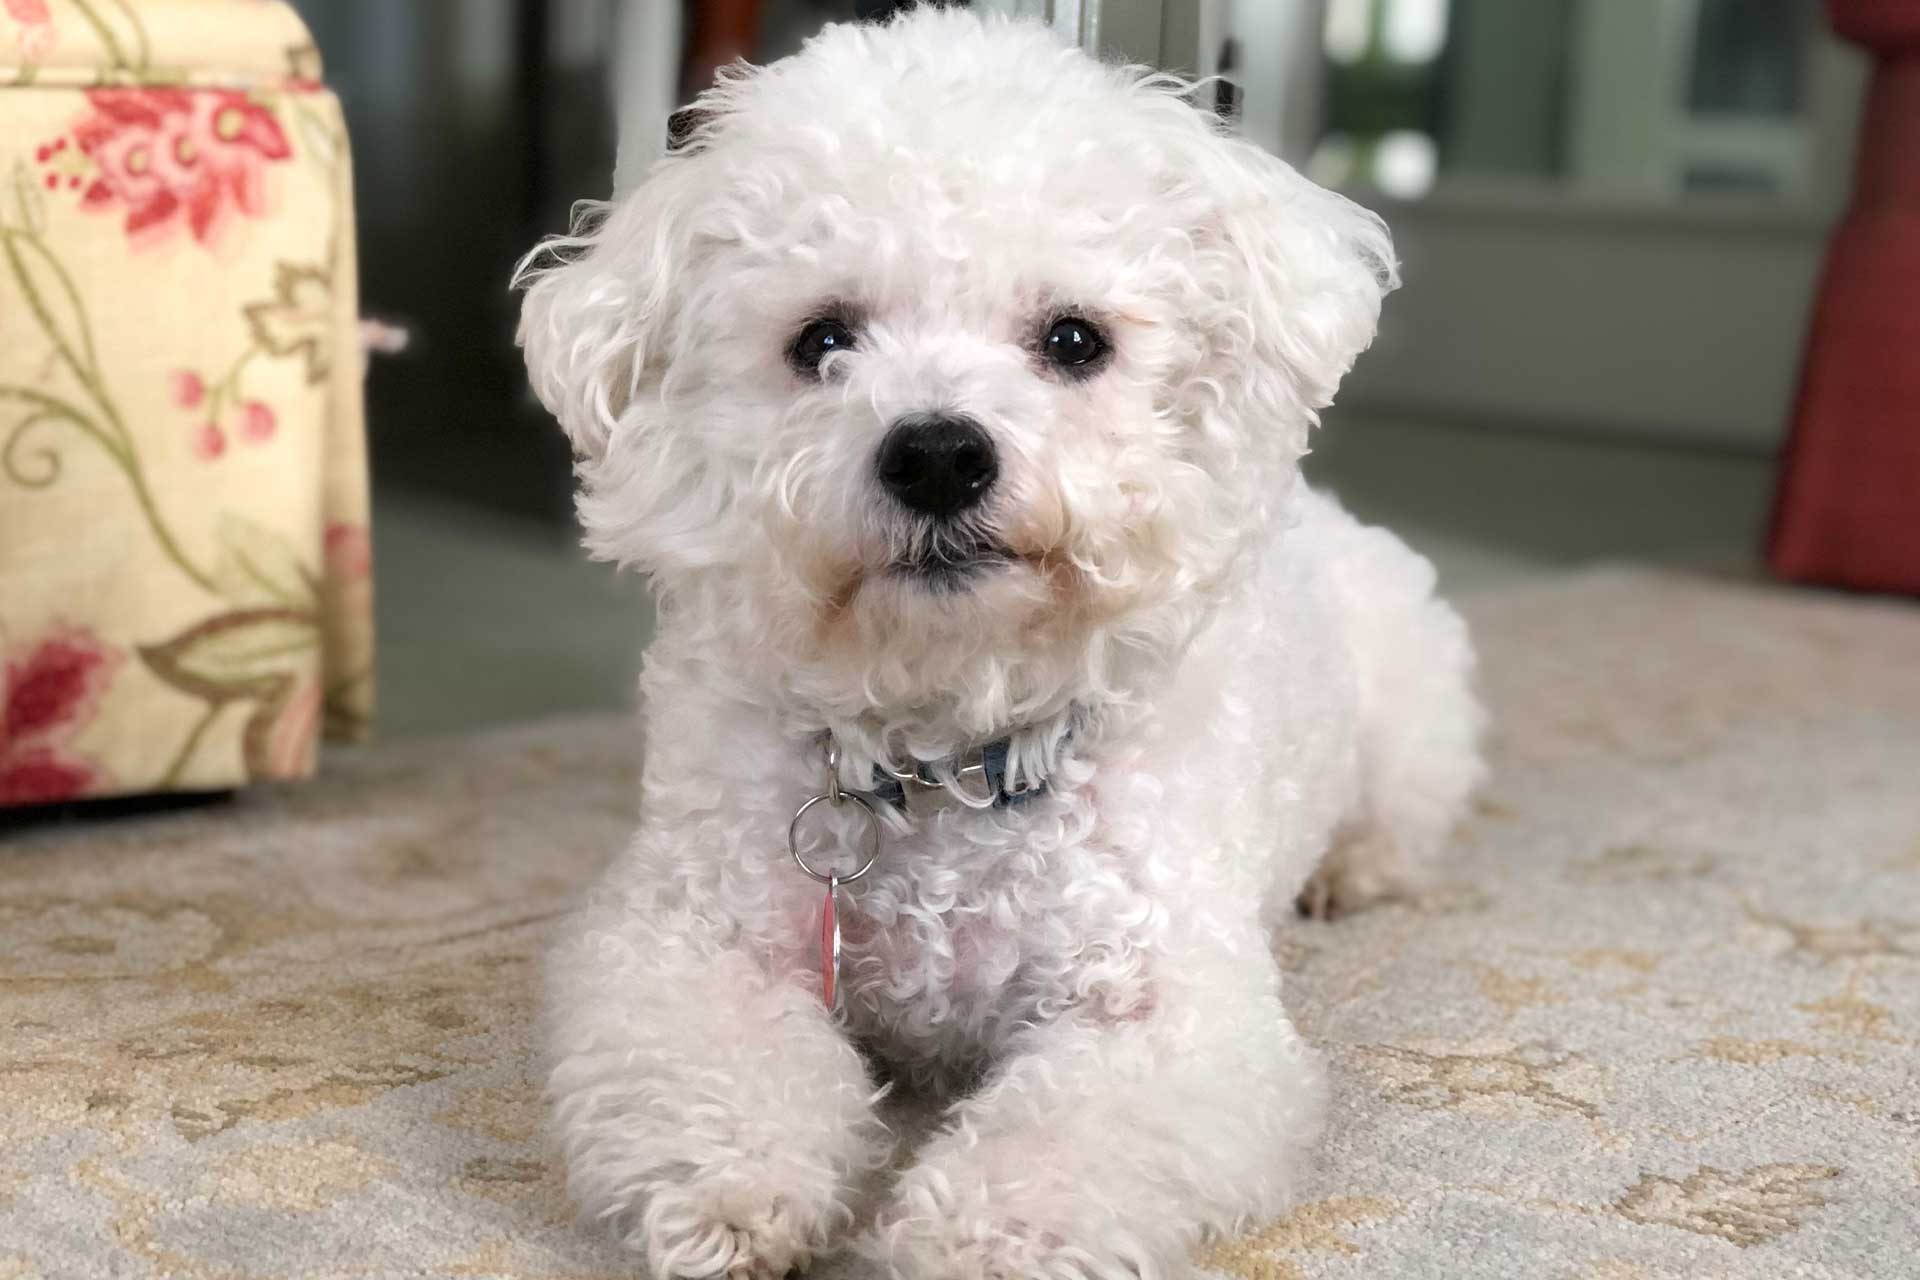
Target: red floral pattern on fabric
x=189 y=389
x=145 y=160
x=36 y=35
x=258 y=421
x=51 y=692
x=173 y=156
x=347 y=585
x=349 y=549
x=295 y=730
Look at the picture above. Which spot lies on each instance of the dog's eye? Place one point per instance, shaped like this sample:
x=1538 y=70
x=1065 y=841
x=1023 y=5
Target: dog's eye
x=816 y=342
x=1073 y=345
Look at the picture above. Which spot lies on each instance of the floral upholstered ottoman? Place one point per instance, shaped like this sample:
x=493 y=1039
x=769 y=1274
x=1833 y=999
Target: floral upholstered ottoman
x=185 y=595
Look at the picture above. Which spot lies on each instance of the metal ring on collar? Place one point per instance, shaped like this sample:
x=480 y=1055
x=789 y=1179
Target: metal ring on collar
x=833 y=773
x=872 y=842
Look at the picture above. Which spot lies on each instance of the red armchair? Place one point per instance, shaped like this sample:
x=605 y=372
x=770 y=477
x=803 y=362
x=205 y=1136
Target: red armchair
x=1848 y=508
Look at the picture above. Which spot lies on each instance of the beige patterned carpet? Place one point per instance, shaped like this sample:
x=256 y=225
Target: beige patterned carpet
x=1663 y=1024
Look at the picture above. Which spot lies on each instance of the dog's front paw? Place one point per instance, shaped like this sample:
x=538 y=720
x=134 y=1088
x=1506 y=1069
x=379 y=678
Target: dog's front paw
x=940 y=1228
x=723 y=1142
x=734 y=1227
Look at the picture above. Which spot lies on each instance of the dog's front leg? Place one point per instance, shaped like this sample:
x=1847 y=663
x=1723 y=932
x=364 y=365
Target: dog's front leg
x=1110 y=1151
x=709 y=1109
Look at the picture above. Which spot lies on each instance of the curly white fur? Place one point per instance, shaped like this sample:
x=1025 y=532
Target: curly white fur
x=1219 y=674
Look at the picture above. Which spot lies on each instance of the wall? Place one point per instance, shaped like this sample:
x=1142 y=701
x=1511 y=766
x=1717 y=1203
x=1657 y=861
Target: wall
x=1682 y=323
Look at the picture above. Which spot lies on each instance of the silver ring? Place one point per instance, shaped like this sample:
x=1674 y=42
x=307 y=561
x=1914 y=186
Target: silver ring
x=871 y=856
x=833 y=773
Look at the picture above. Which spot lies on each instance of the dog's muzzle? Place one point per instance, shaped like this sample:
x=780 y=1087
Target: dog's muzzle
x=940 y=467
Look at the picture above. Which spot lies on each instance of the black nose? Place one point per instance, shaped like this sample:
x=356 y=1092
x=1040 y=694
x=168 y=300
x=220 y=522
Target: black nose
x=938 y=465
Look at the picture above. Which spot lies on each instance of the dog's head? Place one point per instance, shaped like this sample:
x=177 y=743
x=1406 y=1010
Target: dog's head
x=943 y=374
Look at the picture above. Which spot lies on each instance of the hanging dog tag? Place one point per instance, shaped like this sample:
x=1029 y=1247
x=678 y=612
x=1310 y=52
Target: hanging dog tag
x=868 y=852
x=830 y=945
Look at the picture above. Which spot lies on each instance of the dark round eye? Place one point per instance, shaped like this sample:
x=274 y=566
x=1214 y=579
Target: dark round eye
x=1073 y=344
x=820 y=339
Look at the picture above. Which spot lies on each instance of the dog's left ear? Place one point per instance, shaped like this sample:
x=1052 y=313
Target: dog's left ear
x=1292 y=277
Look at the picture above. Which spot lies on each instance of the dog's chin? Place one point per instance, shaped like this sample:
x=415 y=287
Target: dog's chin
x=953 y=571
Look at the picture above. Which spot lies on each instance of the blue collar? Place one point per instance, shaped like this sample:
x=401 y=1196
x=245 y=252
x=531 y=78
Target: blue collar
x=990 y=767
x=979 y=771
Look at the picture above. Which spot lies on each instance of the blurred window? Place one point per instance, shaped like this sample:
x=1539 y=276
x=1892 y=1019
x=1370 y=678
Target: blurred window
x=1749 y=58
x=1383 y=94
x=1650 y=98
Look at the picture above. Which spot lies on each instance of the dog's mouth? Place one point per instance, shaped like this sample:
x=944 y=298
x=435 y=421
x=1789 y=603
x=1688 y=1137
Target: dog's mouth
x=951 y=567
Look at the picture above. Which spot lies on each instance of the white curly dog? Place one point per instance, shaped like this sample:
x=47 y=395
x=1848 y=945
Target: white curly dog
x=951 y=387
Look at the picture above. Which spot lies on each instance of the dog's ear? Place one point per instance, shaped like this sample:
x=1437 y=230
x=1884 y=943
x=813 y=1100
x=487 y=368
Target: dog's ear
x=599 y=302
x=1292 y=277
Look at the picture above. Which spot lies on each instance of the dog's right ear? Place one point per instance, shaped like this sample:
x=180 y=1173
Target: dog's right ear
x=599 y=301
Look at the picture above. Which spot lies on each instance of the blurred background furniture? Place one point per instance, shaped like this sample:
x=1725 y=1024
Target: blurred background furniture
x=1848 y=512
x=185 y=596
